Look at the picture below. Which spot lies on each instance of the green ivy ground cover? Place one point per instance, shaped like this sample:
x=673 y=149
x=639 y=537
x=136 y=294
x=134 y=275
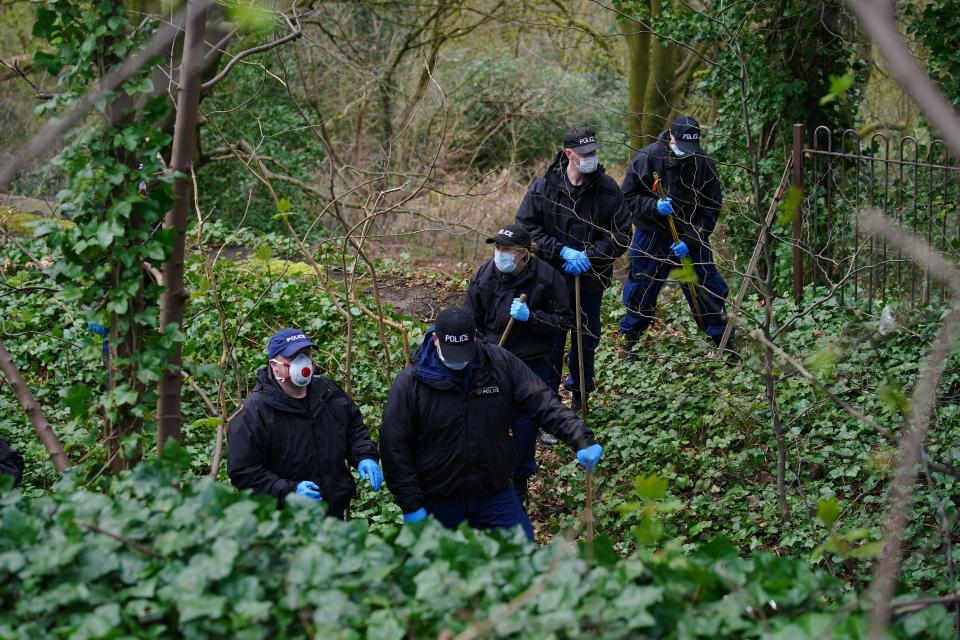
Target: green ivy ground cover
x=688 y=457
x=201 y=561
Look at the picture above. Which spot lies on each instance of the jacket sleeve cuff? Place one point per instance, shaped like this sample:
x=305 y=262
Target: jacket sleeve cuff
x=409 y=504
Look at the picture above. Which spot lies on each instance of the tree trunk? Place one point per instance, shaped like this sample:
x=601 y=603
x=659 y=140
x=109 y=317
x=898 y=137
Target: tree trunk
x=638 y=64
x=657 y=100
x=32 y=408
x=169 y=414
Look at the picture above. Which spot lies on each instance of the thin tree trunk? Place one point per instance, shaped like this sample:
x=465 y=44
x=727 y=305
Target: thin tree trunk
x=638 y=64
x=770 y=382
x=169 y=413
x=33 y=410
x=657 y=100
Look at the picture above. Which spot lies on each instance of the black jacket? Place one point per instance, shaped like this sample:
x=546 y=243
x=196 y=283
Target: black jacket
x=11 y=462
x=278 y=441
x=692 y=184
x=589 y=217
x=446 y=434
x=491 y=293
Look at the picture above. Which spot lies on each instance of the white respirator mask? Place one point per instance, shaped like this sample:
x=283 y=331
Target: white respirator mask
x=299 y=370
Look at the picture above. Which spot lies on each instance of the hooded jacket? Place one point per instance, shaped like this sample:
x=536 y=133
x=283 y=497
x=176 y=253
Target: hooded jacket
x=590 y=217
x=491 y=293
x=277 y=441
x=11 y=462
x=446 y=433
x=691 y=183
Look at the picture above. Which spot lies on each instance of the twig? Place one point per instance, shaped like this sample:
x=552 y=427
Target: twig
x=142 y=548
x=910 y=606
x=249 y=52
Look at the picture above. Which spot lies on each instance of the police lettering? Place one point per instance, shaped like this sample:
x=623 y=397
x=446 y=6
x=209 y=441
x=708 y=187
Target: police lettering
x=586 y=140
x=506 y=232
x=299 y=336
x=457 y=339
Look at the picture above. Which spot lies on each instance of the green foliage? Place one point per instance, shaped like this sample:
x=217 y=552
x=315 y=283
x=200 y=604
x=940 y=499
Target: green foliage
x=936 y=25
x=114 y=229
x=155 y=558
x=517 y=112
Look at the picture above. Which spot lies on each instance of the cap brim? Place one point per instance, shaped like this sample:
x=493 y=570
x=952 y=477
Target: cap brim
x=690 y=147
x=459 y=352
x=292 y=347
x=586 y=148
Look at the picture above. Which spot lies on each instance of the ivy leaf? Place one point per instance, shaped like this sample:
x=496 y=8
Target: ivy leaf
x=839 y=85
x=789 y=206
x=828 y=511
x=651 y=487
x=77 y=399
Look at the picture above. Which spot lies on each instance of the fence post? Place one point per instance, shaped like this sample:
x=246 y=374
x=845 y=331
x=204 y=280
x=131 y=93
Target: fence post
x=798 y=214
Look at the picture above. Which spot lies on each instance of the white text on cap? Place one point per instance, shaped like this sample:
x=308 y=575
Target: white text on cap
x=457 y=339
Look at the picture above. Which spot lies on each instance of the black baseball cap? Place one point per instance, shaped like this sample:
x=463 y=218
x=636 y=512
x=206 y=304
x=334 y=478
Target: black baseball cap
x=511 y=235
x=457 y=331
x=686 y=130
x=580 y=140
x=287 y=342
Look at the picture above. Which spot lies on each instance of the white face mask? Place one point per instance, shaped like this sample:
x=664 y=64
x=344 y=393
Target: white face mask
x=588 y=164
x=299 y=370
x=504 y=261
x=677 y=151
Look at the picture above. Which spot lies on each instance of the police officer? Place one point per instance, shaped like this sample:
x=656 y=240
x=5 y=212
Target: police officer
x=446 y=446
x=693 y=199
x=494 y=299
x=299 y=432
x=576 y=215
x=11 y=462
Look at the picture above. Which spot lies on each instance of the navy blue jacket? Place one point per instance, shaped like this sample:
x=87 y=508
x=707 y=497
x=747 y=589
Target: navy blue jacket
x=278 y=441
x=11 y=462
x=446 y=434
x=691 y=183
x=492 y=292
x=589 y=217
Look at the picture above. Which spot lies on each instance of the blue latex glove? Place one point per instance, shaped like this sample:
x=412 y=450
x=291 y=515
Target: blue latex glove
x=665 y=207
x=308 y=489
x=575 y=262
x=98 y=329
x=519 y=310
x=680 y=249
x=588 y=457
x=416 y=516
x=370 y=471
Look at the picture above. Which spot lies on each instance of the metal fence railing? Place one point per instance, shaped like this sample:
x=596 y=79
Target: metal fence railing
x=914 y=182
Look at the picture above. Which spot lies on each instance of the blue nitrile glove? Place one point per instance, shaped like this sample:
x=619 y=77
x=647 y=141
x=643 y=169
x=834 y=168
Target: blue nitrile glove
x=575 y=262
x=588 y=457
x=519 y=310
x=416 y=516
x=308 y=489
x=680 y=249
x=665 y=207
x=98 y=329
x=370 y=471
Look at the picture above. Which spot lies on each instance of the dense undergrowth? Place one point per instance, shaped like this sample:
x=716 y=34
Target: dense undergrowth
x=689 y=456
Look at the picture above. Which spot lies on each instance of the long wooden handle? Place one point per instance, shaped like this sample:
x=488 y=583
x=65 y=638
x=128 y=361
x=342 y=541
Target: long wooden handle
x=662 y=192
x=583 y=387
x=506 y=332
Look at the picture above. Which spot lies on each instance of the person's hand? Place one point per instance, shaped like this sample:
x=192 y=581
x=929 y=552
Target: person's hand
x=589 y=457
x=416 y=516
x=308 y=489
x=370 y=471
x=575 y=262
x=680 y=249
x=519 y=310
x=665 y=207
x=98 y=329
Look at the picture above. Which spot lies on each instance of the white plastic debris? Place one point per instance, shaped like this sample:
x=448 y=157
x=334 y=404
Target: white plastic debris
x=887 y=324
